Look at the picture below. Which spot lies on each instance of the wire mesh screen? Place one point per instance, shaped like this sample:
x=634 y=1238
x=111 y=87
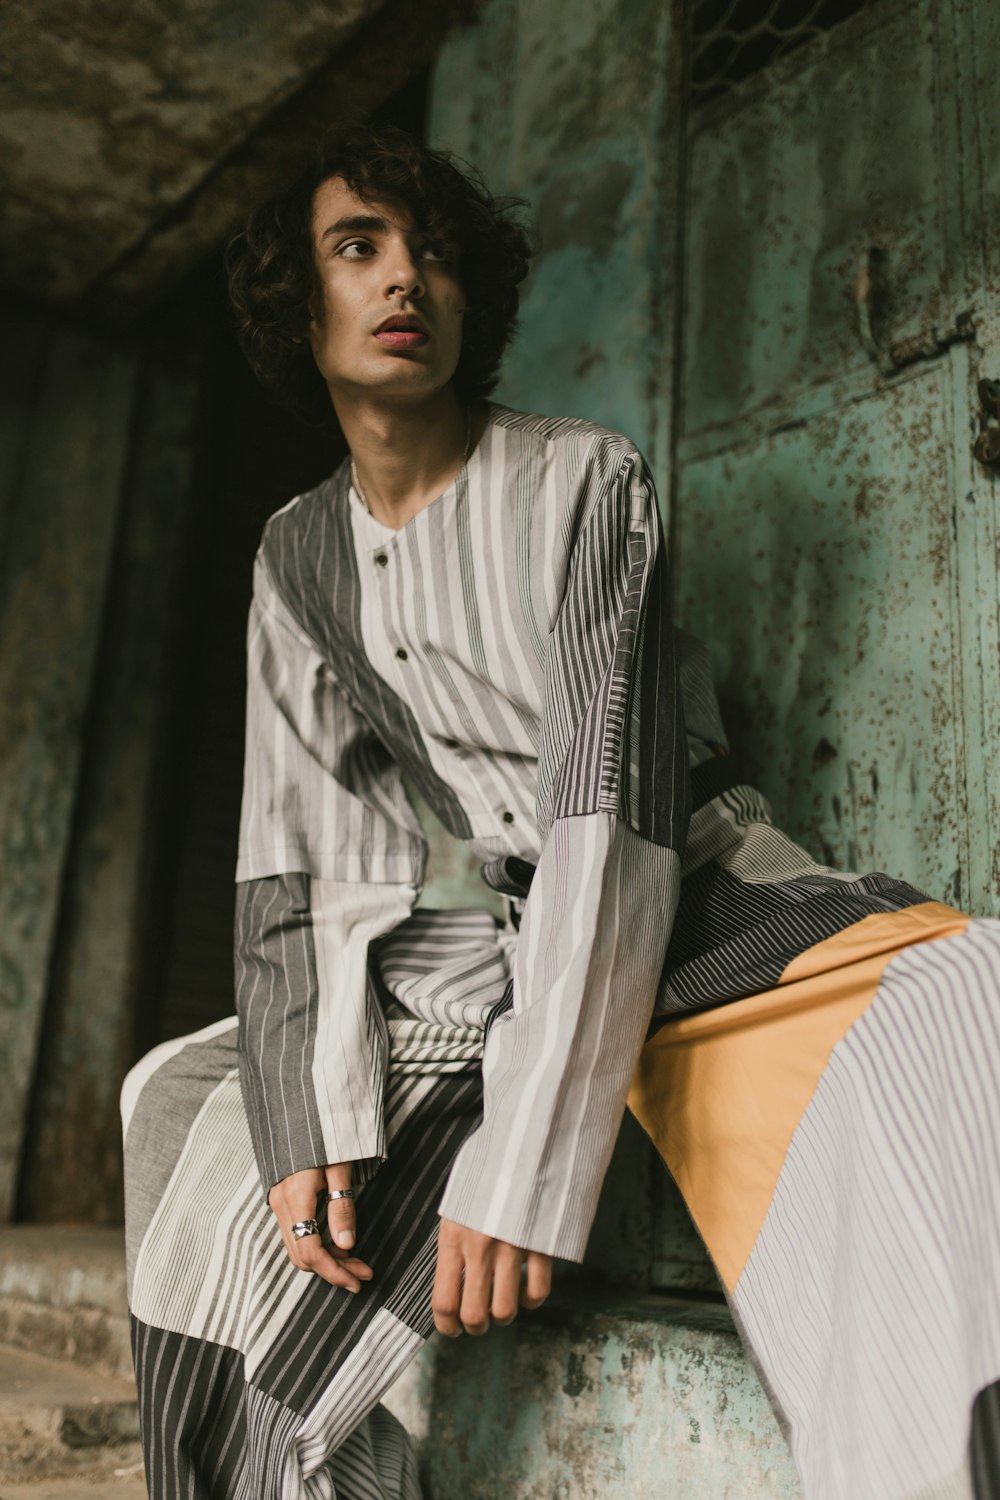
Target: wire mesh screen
x=731 y=39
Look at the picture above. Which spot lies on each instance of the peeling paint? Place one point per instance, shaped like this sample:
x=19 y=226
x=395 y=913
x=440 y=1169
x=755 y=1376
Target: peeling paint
x=575 y=124
x=620 y=1404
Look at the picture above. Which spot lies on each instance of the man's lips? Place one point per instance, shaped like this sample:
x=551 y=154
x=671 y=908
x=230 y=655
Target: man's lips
x=401 y=338
x=402 y=330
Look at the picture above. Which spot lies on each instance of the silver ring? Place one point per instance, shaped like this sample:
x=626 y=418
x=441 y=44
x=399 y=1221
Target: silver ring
x=304 y=1228
x=340 y=1193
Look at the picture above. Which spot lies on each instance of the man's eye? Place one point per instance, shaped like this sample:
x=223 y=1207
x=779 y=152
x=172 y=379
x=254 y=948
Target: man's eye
x=434 y=250
x=354 y=245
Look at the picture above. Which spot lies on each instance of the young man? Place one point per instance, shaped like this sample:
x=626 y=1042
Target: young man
x=478 y=597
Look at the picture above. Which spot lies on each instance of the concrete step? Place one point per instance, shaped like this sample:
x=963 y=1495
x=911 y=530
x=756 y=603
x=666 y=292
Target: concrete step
x=59 y=1419
x=81 y=1487
x=592 y=1399
x=600 y=1395
x=62 y=1293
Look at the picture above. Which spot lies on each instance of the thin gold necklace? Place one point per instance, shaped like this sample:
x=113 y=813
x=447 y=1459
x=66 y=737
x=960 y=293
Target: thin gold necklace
x=465 y=459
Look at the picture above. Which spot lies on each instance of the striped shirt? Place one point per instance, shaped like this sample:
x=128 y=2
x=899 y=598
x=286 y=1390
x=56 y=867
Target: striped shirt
x=511 y=649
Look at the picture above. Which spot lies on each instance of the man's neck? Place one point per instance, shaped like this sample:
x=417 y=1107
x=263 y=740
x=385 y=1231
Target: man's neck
x=406 y=454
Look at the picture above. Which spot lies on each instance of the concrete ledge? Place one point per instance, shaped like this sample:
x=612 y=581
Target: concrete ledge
x=62 y=1294
x=116 y=1486
x=56 y=1418
x=646 y=1398
x=596 y=1396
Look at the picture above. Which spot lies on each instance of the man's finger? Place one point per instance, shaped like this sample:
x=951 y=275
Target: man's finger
x=310 y=1254
x=476 y=1294
x=354 y=1263
x=506 y=1284
x=340 y=1209
x=296 y=1201
x=447 y=1294
x=340 y=1214
x=539 y=1282
x=302 y=1255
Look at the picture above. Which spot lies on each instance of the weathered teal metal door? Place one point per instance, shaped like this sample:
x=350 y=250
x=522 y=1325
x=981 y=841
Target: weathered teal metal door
x=836 y=540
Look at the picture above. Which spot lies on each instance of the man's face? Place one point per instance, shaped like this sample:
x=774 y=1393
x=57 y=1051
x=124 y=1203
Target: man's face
x=373 y=265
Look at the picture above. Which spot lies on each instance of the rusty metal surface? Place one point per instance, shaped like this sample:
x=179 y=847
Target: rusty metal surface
x=836 y=547
x=976 y=545
x=972 y=139
x=729 y=40
x=827 y=165
x=586 y=131
x=819 y=564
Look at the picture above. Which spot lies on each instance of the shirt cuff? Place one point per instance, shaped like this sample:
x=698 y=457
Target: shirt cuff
x=557 y=1066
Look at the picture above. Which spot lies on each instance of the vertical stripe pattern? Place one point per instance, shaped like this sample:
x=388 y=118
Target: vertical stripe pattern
x=872 y=1294
x=256 y=1379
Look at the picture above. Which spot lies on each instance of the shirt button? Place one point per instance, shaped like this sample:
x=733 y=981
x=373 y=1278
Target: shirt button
x=401 y=654
x=381 y=559
x=508 y=817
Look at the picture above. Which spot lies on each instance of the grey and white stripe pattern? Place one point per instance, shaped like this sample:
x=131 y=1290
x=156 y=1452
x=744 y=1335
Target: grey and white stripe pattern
x=513 y=646
x=556 y=1076
x=254 y=1378
x=312 y=1036
x=871 y=1296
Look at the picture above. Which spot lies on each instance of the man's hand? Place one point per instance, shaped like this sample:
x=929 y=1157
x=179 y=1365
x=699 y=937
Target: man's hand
x=492 y=1288
x=297 y=1197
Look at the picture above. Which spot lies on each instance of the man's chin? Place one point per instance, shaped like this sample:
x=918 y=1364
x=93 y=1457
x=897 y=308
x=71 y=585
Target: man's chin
x=409 y=384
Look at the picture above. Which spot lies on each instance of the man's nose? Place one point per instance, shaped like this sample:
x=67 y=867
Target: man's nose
x=403 y=272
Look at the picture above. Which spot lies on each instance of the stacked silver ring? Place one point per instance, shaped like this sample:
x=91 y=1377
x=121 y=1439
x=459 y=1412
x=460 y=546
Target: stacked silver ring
x=304 y=1228
x=340 y=1193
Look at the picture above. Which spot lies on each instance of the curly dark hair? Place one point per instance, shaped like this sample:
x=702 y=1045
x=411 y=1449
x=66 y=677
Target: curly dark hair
x=273 y=282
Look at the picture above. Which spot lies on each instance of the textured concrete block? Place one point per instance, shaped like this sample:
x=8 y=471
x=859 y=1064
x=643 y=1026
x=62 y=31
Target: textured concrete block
x=654 y=1397
x=117 y=1485
x=56 y=1418
x=62 y=1294
x=66 y=1265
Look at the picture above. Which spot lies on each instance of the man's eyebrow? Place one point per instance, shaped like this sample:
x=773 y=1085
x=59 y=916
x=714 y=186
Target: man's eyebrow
x=373 y=223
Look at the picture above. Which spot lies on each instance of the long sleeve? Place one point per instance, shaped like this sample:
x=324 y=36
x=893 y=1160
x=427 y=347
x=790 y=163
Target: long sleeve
x=613 y=806
x=330 y=857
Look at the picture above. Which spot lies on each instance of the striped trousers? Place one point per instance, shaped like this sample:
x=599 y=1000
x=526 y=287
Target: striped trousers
x=836 y=1139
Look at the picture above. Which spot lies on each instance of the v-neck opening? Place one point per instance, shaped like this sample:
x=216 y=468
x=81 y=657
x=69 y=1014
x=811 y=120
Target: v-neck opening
x=475 y=457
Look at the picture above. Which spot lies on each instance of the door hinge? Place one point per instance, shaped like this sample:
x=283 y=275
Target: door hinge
x=892 y=356
x=986 y=449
